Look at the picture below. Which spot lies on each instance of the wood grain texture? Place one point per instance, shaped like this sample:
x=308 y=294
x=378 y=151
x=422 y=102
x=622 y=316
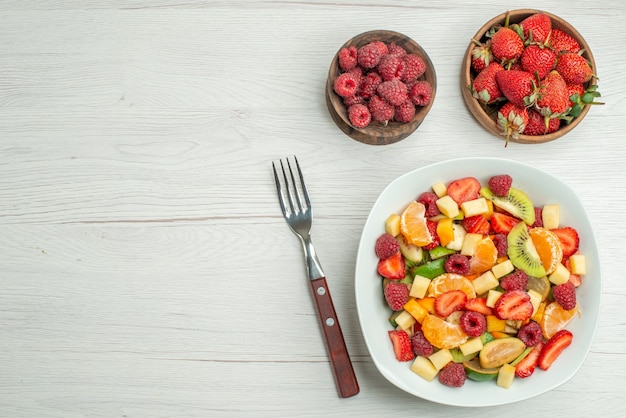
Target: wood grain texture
x=146 y=267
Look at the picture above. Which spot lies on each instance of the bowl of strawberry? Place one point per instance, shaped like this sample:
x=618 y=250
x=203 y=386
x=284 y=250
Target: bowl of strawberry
x=381 y=85
x=478 y=282
x=529 y=76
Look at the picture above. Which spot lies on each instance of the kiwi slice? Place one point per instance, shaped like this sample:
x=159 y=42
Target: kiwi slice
x=522 y=252
x=517 y=203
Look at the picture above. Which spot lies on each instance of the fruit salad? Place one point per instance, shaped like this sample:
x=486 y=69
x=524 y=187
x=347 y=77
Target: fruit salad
x=480 y=282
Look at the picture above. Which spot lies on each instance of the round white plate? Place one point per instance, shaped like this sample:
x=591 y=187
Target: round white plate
x=542 y=188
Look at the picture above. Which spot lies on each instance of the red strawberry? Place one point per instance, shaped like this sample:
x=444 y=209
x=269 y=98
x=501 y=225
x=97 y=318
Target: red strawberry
x=526 y=367
x=560 y=41
x=574 y=279
x=481 y=55
x=514 y=305
x=573 y=89
x=393 y=268
x=574 y=68
x=538 y=60
x=478 y=304
x=506 y=45
x=484 y=87
x=553 y=348
x=537 y=124
x=553 y=98
x=402 y=347
x=536 y=27
x=502 y=223
x=569 y=239
x=512 y=120
x=432 y=229
x=464 y=189
x=476 y=224
x=396 y=295
x=517 y=86
x=450 y=301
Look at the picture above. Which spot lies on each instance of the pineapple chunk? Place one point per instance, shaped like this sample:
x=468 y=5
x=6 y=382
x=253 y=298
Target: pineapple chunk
x=419 y=286
x=560 y=275
x=424 y=368
x=405 y=320
x=492 y=297
x=440 y=189
x=578 y=264
x=535 y=299
x=485 y=282
x=502 y=269
x=495 y=324
x=473 y=345
x=475 y=207
x=445 y=232
x=440 y=358
x=506 y=375
x=392 y=225
x=550 y=216
x=469 y=243
x=447 y=206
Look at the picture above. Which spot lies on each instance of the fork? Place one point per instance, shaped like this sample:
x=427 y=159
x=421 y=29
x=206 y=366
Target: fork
x=297 y=213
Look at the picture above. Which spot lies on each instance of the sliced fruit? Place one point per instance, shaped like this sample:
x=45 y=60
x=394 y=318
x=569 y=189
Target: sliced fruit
x=443 y=334
x=412 y=253
x=550 y=216
x=522 y=252
x=502 y=223
x=548 y=247
x=440 y=358
x=393 y=267
x=424 y=368
x=541 y=285
x=555 y=318
x=478 y=305
x=392 y=225
x=499 y=351
x=514 y=305
x=516 y=202
x=445 y=231
x=553 y=348
x=577 y=264
x=402 y=347
x=527 y=365
x=413 y=225
x=430 y=270
x=450 y=301
x=484 y=258
x=463 y=190
x=476 y=372
x=506 y=376
x=451 y=281
x=419 y=287
x=439 y=252
x=448 y=206
x=476 y=224
x=568 y=238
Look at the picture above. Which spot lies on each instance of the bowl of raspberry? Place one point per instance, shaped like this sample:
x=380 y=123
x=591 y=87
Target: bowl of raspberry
x=381 y=85
x=528 y=76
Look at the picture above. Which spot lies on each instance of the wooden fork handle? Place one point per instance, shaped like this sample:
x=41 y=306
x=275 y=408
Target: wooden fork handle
x=345 y=378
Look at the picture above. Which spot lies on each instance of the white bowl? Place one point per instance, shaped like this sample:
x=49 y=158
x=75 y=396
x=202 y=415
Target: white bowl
x=373 y=312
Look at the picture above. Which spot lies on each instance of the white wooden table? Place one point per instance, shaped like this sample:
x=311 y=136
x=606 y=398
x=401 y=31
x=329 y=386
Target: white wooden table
x=146 y=268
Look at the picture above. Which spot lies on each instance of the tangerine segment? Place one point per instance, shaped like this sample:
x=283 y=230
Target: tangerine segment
x=443 y=334
x=485 y=256
x=548 y=247
x=451 y=281
x=555 y=318
x=413 y=225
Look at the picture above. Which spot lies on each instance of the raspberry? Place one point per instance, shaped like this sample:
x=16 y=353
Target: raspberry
x=380 y=109
x=352 y=100
x=500 y=185
x=394 y=91
x=396 y=50
x=396 y=295
x=501 y=243
x=517 y=280
x=390 y=67
x=370 y=84
x=473 y=323
x=530 y=334
x=429 y=199
x=413 y=67
x=382 y=47
x=538 y=220
x=421 y=346
x=346 y=85
x=357 y=72
x=405 y=112
x=359 y=116
x=432 y=228
x=565 y=295
x=458 y=264
x=453 y=375
x=386 y=246
x=368 y=56
x=421 y=93
x=348 y=58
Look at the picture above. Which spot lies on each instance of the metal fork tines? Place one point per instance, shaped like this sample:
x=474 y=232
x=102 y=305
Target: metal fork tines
x=296 y=206
x=297 y=212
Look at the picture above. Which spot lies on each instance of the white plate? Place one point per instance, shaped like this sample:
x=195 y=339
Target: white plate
x=542 y=188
